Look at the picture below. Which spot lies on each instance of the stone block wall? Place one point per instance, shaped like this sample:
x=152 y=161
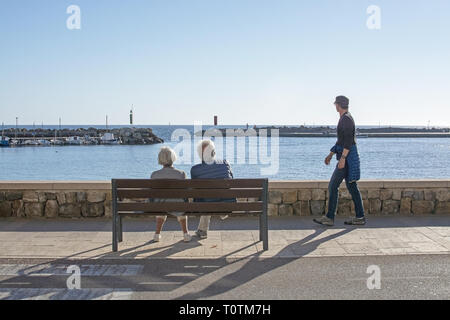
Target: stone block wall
x=310 y=198
x=286 y=198
x=52 y=200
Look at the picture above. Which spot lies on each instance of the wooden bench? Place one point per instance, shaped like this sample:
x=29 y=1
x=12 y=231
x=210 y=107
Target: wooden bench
x=129 y=199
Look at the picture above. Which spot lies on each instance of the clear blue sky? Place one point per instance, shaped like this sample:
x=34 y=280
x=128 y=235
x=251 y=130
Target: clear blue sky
x=255 y=61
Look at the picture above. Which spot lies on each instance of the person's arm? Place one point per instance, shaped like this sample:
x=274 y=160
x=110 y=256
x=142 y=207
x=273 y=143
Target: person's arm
x=329 y=157
x=341 y=164
x=349 y=129
x=229 y=168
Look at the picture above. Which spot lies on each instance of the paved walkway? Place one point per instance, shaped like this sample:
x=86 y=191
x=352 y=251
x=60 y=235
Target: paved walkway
x=237 y=237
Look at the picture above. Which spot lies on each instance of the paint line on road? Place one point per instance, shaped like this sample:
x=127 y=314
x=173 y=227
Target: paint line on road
x=399 y=278
x=181 y=275
x=64 y=294
x=160 y=282
x=61 y=270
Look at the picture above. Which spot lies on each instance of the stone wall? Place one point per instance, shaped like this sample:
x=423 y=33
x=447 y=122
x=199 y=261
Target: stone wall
x=305 y=198
x=286 y=198
x=53 y=199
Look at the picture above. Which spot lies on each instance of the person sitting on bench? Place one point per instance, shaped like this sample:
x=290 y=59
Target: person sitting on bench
x=166 y=158
x=210 y=168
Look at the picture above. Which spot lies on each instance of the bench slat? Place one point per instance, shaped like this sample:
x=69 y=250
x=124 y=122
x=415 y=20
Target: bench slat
x=191 y=207
x=186 y=193
x=189 y=184
x=221 y=213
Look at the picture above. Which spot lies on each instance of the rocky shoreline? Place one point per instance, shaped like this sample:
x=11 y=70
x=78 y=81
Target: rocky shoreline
x=80 y=136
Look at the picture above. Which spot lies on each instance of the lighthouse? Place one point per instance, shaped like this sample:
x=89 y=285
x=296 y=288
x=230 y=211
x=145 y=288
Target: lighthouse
x=131 y=116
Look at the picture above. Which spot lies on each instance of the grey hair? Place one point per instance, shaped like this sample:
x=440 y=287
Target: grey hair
x=206 y=150
x=166 y=156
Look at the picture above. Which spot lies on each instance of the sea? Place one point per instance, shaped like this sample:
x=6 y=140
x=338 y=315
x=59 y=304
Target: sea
x=275 y=158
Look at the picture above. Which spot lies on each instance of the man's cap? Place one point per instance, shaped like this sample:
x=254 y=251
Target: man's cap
x=343 y=101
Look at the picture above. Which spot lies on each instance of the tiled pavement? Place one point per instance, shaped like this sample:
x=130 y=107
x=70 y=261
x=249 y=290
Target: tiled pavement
x=235 y=237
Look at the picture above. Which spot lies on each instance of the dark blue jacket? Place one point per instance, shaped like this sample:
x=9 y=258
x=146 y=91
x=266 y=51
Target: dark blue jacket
x=217 y=170
x=353 y=162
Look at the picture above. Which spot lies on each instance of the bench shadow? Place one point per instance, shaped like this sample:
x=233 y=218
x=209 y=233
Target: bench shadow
x=171 y=272
x=253 y=268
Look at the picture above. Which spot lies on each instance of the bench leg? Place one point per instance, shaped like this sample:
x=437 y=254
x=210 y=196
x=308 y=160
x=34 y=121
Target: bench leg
x=114 y=234
x=120 y=233
x=265 y=233
x=264 y=223
x=261 y=224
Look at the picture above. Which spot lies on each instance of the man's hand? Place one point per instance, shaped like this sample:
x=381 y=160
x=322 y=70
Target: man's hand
x=328 y=159
x=341 y=164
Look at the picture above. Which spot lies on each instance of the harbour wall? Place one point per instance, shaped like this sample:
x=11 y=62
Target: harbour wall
x=81 y=199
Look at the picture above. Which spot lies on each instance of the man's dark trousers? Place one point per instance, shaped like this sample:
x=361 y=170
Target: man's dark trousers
x=333 y=190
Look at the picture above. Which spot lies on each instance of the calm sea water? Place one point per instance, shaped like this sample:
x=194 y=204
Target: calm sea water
x=299 y=159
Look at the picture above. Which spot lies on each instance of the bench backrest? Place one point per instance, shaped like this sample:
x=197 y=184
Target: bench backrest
x=135 y=190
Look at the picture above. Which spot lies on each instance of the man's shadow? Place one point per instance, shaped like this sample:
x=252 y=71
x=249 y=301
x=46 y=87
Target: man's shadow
x=253 y=268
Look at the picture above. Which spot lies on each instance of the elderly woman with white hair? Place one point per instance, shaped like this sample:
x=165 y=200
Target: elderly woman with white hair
x=166 y=158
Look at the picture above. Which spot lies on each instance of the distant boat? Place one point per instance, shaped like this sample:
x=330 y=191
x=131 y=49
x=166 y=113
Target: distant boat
x=4 y=142
x=75 y=140
x=14 y=143
x=44 y=142
x=57 y=142
x=108 y=138
x=89 y=140
x=31 y=143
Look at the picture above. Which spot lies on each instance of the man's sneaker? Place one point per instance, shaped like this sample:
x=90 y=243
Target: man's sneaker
x=324 y=220
x=157 y=237
x=187 y=237
x=356 y=221
x=201 y=234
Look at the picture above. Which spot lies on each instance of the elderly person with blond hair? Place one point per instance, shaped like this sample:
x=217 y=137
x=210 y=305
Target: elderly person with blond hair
x=166 y=158
x=210 y=168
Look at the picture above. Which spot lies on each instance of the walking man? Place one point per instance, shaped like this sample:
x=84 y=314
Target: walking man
x=348 y=166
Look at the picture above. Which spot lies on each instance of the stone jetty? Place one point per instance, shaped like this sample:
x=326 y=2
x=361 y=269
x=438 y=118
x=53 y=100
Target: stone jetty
x=126 y=136
x=328 y=131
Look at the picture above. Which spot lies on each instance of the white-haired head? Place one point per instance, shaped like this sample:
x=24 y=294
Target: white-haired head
x=166 y=157
x=206 y=151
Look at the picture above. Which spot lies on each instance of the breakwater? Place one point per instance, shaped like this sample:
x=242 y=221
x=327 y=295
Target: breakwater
x=328 y=132
x=80 y=136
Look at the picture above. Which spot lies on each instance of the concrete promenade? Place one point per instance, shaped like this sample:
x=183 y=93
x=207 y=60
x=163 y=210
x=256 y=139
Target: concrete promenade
x=305 y=260
x=235 y=237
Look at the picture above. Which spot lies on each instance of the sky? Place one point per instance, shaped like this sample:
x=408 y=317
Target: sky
x=260 y=62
